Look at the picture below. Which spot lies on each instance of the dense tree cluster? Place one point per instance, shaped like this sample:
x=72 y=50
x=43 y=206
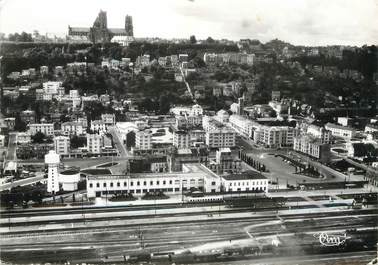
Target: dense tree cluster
x=23 y=37
x=362 y=59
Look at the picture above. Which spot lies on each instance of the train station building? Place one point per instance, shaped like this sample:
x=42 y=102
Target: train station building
x=193 y=176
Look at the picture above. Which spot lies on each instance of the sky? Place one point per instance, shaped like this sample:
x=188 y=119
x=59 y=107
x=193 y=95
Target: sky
x=300 y=22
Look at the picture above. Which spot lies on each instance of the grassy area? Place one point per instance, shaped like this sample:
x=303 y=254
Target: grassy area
x=96 y=171
x=122 y=198
x=46 y=205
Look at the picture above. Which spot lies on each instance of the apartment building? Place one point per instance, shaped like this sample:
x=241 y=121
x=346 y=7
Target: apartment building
x=45 y=128
x=321 y=133
x=242 y=125
x=73 y=128
x=143 y=139
x=314 y=147
x=219 y=138
x=181 y=139
x=62 y=145
x=94 y=143
x=340 y=131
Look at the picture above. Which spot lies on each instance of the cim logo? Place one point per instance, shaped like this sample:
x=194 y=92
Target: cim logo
x=331 y=240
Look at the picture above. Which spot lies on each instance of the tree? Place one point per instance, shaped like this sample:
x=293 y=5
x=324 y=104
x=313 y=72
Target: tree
x=77 y=141
x=38 y=138
x=193 y=39
x=36 y=196
x=19 y=125
x=210 y=40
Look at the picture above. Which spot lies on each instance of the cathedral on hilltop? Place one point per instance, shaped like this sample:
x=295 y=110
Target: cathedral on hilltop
x=100 y=33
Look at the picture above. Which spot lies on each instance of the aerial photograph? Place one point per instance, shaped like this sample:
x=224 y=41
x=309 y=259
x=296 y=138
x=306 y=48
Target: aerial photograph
x=179 y=132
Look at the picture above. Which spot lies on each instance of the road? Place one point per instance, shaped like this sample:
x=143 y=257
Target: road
x=22 y=182
x=118 y=142
x=187 y=86
x=294 y=233
x=12 y=147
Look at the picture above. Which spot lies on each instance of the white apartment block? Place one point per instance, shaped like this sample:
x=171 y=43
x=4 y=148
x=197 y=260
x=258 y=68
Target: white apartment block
x=98 y=126
x=274 y=136
x=23 y=138
x=340 y=131
x=181 y=139
x=196 y=110
x=242 y=125
x=220 y=138
x=245 y=181
x=370 y=128
x=108 y=119
x=320 y=133
x=45 y=128
x=143 y=139
x=62 y=145
x=313 y=147
x=94 y=143
x=2 y=140
x=73 y=128
x=344 y=121
x=74 y=93
x=52 y=87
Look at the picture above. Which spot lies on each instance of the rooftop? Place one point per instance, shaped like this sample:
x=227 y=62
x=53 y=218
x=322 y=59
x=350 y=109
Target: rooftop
x=245 y=176
x=336 y=126
x=191 y=170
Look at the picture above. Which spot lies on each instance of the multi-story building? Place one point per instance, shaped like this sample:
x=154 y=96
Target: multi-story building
x=193 y=176
x=23 y=138
x=242 y=125
x=220 y=138
x=45 y=128
x=245 y=181
x=98 y=126
x=44 y=70
x=340 y=131
x=370 y=128
x=52 y=87
x=274 y=136
x=73 y=128
x=10 y=122
x=181 y=139
x=158 y=164
x=196 y=110
x=62 y=145
x=187 y=121
x=143 y=61
x=94 y=143
x=319 y=132
x=108 y=119
x=74 y=93
x=344 y=121
x=143 y=139
x=2 y=140
x=180 y=157
x=197 y=138
x=314 y=147
x=225 y=162
x=222 y=116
